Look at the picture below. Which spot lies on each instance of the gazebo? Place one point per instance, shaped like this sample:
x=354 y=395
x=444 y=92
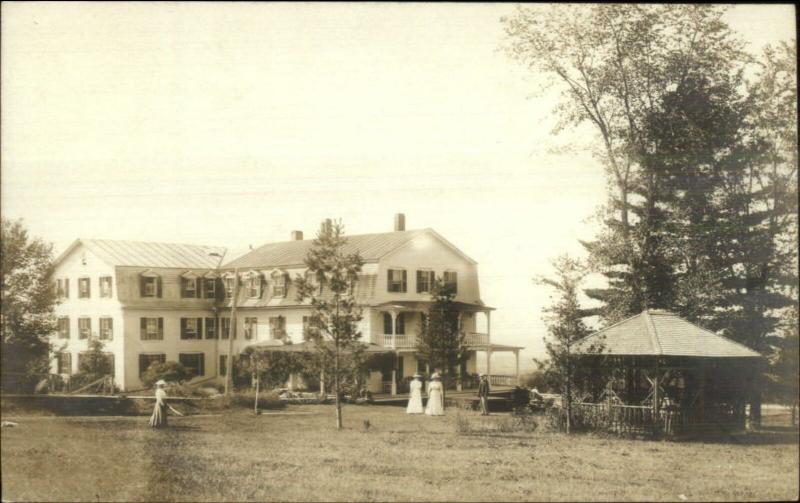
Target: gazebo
x=657 y=373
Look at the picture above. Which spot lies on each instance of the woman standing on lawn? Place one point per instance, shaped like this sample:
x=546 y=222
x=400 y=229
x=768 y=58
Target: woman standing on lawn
x=415 y=401
x=159 y=417
x=435 y=404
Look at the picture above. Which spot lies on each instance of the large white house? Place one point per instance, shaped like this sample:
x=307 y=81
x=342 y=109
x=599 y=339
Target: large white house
x=168 y=302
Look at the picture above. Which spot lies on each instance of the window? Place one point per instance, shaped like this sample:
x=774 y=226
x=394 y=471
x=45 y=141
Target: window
x=84 y=288
x=277 y=327
x=308 y=330
x=229 y=285
x=151 y=329
x=211 y=328
x=63 y=327
x=210 y=288
x=223 y=365
x=225 y=328
x=279 y=284
x=397 y=280
x=105 y=287
x=189 y=288
x=191 y=328
x=106 y=328
x=313 y=280
x=387 y=323
x=150 y=285
x=425 y=280
x=451 y=279
x=400 y=324
x=62 y=288
x=148 y=359
x=84 y=327
x=250 y=327
x=64 y=363
x=253 y=285
x=194 y=362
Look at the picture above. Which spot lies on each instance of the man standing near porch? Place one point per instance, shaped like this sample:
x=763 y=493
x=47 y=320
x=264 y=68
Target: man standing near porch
x=483 y=394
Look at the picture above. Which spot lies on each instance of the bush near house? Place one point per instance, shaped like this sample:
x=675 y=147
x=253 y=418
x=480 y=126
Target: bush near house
x=171 y=372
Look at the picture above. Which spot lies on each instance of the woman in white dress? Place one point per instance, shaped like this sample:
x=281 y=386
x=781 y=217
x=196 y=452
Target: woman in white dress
x=435 y=404
x=159 y=417
x=415 y=401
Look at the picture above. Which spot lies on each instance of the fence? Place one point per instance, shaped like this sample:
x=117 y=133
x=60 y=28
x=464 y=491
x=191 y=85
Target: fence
x=673 y=421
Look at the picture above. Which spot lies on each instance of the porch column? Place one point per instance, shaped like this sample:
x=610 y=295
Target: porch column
x=516 y=357
x=488 y=328
x=489 y=361
x=322 y=382
x=393 y=314
x=458 y=373
x=394 y=376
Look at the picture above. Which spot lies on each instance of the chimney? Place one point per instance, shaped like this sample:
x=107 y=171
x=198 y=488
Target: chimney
x=399 y=222
x=297 y=235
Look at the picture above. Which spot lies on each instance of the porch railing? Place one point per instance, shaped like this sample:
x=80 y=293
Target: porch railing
x=477 y=339
x=399 y=341
x=498 y=380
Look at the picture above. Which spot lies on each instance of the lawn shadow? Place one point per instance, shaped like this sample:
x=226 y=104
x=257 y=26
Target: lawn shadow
x=760 y=437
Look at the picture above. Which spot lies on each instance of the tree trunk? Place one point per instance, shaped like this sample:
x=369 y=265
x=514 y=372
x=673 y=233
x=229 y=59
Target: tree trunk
x=336 y=389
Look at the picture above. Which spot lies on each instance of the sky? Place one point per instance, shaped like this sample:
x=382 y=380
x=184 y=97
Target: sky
x=232 y=124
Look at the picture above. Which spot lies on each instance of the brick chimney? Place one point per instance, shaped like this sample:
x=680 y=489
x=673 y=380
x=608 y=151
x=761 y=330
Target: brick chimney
x=297 y=235
x=399 y=222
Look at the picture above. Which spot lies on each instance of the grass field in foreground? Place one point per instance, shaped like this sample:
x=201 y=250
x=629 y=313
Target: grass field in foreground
x=287 y=456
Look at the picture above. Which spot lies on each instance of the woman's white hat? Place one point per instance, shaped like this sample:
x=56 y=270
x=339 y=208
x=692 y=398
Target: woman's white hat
x=161 y=382
x=417 y=375
x=435 y=375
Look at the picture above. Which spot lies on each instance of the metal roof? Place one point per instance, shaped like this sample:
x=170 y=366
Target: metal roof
x=371 y=247
x=662 y=333
x=147 y=254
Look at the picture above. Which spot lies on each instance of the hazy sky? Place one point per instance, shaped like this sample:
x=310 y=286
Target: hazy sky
x=233 y=124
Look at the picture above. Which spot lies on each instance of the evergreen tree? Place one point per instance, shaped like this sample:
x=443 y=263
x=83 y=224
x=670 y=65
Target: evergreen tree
x=28 y=298
x=440 y=340
x=329 y=288
x=565 y=326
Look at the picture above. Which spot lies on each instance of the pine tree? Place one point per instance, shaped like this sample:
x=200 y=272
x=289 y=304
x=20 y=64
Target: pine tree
x=440 y=340
x=329 y=288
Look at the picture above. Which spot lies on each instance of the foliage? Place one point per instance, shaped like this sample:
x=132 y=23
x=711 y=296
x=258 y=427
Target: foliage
x=329 y=288
x=169 y=371
x=565 y=327
x=273 y=367
x=783 y=375
x=27 y=297
x=440 y=340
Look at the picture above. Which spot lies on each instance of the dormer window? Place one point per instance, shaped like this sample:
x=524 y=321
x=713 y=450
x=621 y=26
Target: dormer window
x=279 y=283
x=425 y=280
x=229 y=281
x=313 y=280
x=189 y=288
x=451 y=279
x=253 y=285
x=150 y=284
x=396 y=281
x=209 y=282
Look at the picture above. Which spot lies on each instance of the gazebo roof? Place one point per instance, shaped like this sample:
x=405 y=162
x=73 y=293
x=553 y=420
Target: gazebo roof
x=662 y=333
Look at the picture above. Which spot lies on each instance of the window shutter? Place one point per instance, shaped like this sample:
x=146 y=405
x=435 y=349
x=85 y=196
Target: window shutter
x=389 y=280
x=141 y=286
x=198 y=288
x=158 y=287
x=401 y=324
x=183 y=328
x=420 y=275
x=110 y=328
x=387 y=323
x=161 y=328
x=199 y=328
x=405 y=282
x=142 y=328
x=66 y=288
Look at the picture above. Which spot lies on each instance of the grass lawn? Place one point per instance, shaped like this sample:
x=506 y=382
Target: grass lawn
x=296 y=454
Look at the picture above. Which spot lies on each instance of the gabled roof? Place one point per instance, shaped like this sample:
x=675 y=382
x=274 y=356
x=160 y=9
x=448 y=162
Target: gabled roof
x=662 y=333
x=144 y=254
x=371 y=247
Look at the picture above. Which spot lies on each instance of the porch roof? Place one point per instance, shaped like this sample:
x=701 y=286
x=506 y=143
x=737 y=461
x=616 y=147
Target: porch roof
x=661 y=333
x=495 y=347
x=424 y=305
x=307 y=347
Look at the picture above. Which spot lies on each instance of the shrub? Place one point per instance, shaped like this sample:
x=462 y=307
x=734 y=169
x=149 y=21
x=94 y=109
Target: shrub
x=168 y=371
x=247 y=398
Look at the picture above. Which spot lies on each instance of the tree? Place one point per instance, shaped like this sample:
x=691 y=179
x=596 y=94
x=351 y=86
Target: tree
x=329 y=288
x=784 y=372
x=272 y=368
x=565 y=327
x=95 y=362
x=440 y=340
x=615 y=65
x=28 y=299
